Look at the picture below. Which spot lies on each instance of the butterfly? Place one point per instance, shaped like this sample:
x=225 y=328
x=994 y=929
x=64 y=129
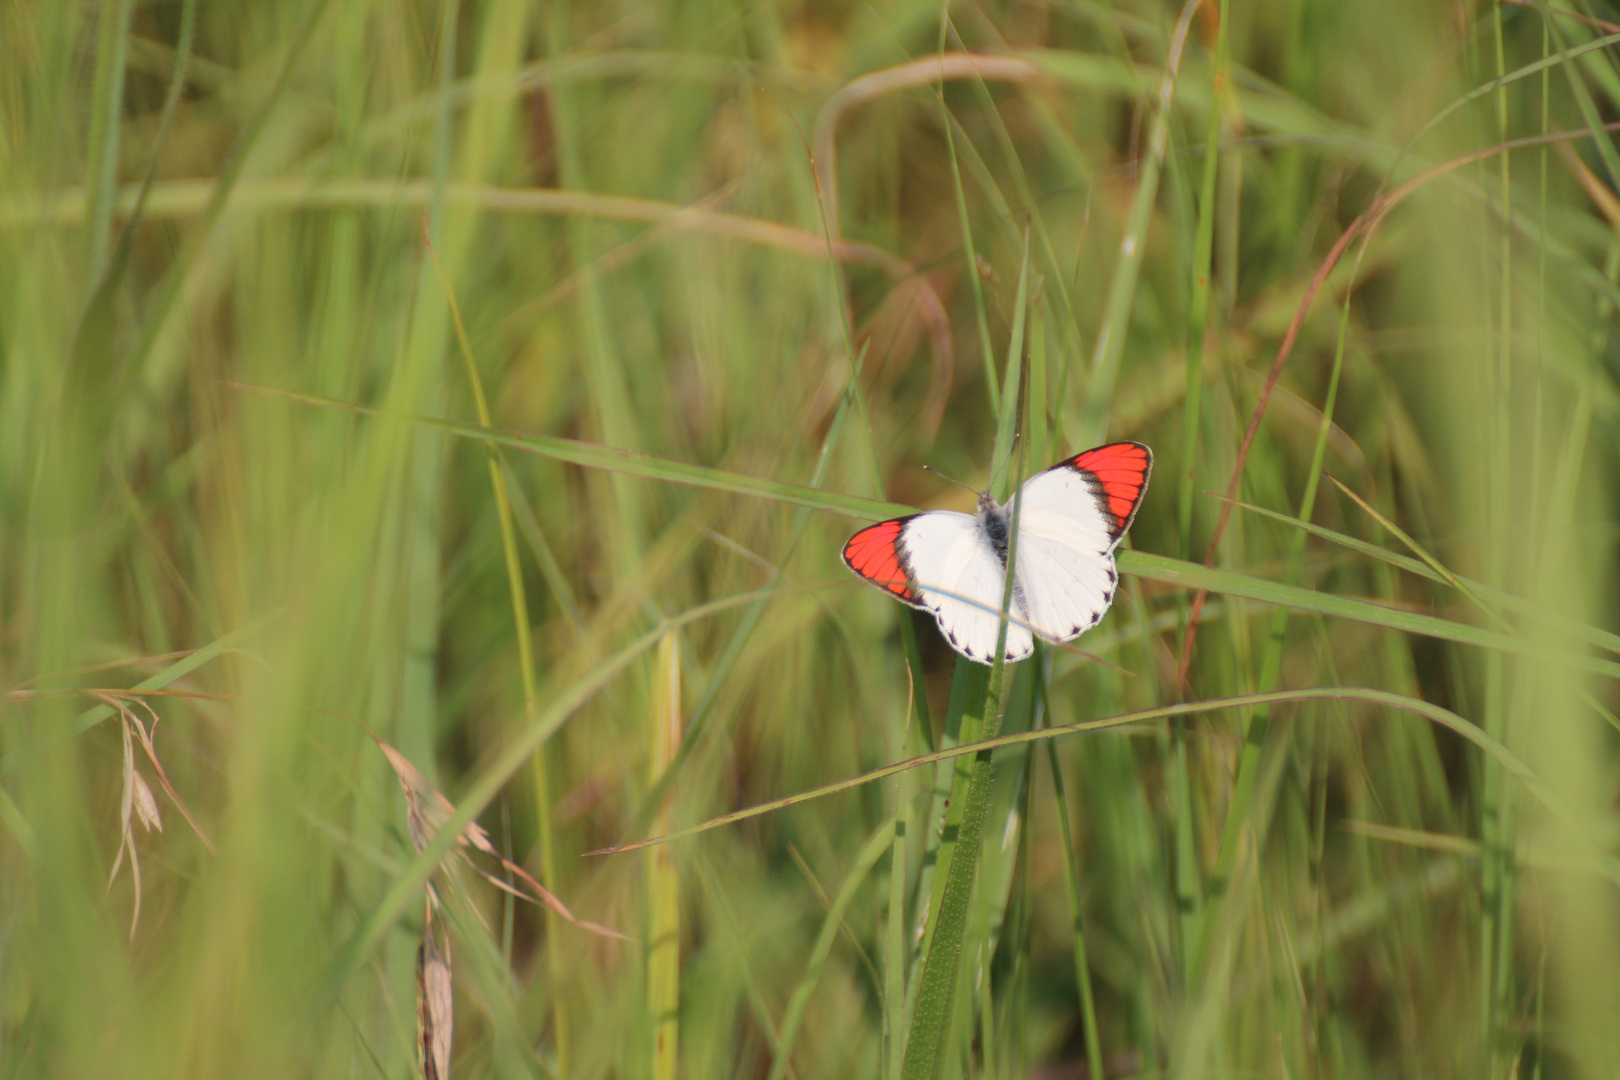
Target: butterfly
x=1070 y=519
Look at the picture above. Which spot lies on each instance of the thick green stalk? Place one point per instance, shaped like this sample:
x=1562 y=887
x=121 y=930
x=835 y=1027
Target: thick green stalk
x=929 y=1041
x=930 y=1036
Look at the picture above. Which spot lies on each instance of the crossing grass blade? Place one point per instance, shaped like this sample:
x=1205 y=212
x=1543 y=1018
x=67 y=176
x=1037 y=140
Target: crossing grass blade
x=628 y=462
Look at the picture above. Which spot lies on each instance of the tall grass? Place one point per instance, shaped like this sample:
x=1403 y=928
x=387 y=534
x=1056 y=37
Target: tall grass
x=554 y=506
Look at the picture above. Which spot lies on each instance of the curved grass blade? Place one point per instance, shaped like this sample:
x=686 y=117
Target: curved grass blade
x=1510 y=762
x=1594 y=635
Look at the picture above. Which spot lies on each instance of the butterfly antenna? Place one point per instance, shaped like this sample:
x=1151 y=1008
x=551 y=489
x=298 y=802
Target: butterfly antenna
x=953 y=480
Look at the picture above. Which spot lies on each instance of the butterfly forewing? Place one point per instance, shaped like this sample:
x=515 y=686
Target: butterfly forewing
x=876 y=555
x=1119 y=474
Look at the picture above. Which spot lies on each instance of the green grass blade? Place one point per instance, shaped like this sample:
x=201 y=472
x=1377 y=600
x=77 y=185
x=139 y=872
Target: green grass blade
x=917 y=694
x=929 y=1041
x=1139 y=563
x=1007 y=417
x=106 y=122
x=970 y=254
x=1196 y=576
x=1489 y=597
x=894 y=948
x=1429 y=560
x=950 y=800
x=944 y=815
x=628 y=462
x=1110 y=347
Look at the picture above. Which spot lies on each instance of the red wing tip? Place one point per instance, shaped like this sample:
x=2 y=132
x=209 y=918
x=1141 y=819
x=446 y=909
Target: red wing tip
x=1126 y=451
x=874 y=554
x=1122 y=469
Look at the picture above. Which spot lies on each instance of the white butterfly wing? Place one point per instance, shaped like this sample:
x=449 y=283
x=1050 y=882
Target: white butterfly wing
x=1070 y=519
x=1065 y=566
x=959 y=577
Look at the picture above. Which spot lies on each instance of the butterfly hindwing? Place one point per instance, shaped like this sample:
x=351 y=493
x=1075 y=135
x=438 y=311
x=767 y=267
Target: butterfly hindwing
x=960 y=578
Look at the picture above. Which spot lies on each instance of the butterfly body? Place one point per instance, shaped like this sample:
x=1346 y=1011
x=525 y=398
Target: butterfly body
x=1065 y=521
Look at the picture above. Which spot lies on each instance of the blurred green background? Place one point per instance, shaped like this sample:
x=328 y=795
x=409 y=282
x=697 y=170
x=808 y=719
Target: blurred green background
x=802 y=242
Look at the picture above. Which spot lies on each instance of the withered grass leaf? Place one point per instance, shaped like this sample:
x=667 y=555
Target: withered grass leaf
x=137 y=800
x=145 y=805
x=435 y=1005
x=426 y=809
x=121 y=703
x=126 y=831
